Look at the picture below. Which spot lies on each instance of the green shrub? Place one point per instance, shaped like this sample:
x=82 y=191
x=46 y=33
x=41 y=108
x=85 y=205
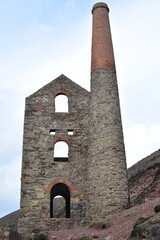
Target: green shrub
x=157 y=208
x=99 y=225
x=134 y=232
x=40 y=236
x=141 y=220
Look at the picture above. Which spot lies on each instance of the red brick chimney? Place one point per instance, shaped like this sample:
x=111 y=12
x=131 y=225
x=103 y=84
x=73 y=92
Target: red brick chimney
x=102 y=49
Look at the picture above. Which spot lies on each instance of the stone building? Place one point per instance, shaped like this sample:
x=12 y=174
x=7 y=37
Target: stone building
x=89 y=176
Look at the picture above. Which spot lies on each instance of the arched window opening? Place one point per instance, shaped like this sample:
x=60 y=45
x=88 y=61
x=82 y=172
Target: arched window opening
x=61 y=103
x=60 y=201
x=61 y=151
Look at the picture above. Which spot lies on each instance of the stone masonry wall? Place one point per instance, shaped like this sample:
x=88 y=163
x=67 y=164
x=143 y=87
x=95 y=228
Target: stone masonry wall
x=39 y=170
x=108 y=188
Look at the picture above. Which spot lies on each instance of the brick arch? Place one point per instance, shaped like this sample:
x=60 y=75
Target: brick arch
x=61 y=180
x=60 y=139
x=59 y=92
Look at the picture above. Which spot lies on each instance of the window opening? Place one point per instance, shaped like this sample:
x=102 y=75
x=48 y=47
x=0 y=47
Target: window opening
x=61 y=151
x=61 y=103
x=60 y=201
x=70 y=132
x=52 y=132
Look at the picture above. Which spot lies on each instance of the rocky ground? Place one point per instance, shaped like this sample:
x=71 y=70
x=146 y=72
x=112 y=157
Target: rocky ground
x=119 y=228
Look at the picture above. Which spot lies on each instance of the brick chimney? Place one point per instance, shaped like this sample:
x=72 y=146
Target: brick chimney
x=102 y=49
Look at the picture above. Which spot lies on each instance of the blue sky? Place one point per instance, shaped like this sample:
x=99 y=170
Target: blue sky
x=39 y=40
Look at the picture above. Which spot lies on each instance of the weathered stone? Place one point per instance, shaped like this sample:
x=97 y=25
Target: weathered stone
x=75 y=200
x=34 y=203
x=39 y=168
x=40 y=195
x=77 y=206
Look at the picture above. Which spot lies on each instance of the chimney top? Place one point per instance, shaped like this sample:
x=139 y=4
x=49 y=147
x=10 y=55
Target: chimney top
x=100 y=5
x=102 y=50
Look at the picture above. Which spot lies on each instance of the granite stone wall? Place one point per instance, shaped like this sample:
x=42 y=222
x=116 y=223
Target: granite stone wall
x=40 y=173
x=107 y=174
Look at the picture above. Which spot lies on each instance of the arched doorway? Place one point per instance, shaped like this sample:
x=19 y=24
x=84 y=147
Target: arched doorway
x=60 y=190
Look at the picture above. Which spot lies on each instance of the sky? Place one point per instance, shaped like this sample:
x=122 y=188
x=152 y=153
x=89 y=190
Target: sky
x=39 y=40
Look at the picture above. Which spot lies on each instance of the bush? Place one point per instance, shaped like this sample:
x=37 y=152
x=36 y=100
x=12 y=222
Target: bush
x=40 y=236
x=134 y=232
x=140 y=220
x=157 y=208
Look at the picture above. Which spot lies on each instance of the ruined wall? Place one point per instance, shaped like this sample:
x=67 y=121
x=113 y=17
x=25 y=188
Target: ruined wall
x=39 y=170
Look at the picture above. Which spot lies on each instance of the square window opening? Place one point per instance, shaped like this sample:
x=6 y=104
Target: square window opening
x=52 y=132
x=70 y=132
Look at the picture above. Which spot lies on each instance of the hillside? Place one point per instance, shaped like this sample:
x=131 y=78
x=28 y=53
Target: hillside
x=144 y=179
x=10 y=220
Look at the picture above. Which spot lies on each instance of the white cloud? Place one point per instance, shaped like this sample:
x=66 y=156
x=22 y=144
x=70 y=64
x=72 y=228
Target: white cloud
x=141 y=141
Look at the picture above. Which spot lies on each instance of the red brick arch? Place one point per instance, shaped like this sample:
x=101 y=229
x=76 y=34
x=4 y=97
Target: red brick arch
x=59 y=92
x=60 y=139
x=61 y=180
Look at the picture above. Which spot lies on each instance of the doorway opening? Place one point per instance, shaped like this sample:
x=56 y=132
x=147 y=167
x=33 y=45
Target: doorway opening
x=60 y=201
